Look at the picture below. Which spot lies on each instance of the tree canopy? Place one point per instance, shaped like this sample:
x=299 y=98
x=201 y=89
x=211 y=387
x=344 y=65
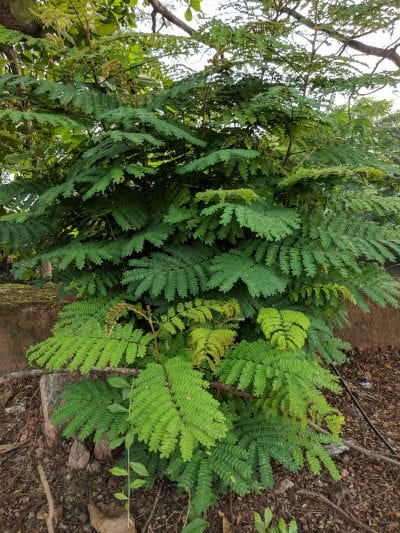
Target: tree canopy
x=212 y=223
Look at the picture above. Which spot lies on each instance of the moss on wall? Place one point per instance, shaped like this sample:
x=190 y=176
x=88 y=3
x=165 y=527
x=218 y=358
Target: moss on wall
x=16 y=294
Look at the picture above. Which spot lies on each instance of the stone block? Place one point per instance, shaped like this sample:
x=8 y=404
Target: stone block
x=51 y=387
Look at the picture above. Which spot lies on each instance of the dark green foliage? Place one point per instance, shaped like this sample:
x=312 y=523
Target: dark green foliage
x=216 y=243
x=270 y=438
x=287 y=382
x=86 y=409
x=180 y=272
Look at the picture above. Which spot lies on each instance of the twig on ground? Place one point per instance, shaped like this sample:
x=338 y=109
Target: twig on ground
x=360 y=525
x=5 y=448
x=356 y=447
x=33 y=372
x=374 y=496
x=123 y=371
x=153 y=509
x=214 y=384
x=50 y=501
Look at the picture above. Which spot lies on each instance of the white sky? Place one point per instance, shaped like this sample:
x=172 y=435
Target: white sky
x=213 y=7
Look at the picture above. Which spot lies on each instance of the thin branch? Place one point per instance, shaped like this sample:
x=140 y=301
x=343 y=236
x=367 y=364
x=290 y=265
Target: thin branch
x=50 y=501
x=389 y=54
x=233 y=390
x=123 y=371
x=350 y=518
x=214 y=384
x=153 y=509
x=158 y=7
x=357 y=448
x=13 y=58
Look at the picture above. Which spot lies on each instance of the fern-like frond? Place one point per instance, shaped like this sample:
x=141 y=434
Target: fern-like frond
x=78 y=254
x=375 y=285
x=210 y=344
x=322 y=342
x=267 y=438
x=129 y=213
x=197 y=312
x=156 y=235
x=76 y=97
x=177 y=271
x=227 y=220
x=284 y=329
x=170 y=406
x=358 y=236
x=222 y=466
x=234 y=266
x=74 y=315
x=305 y=257
x=337 y=174
x=220 y=196
x=20 y=228
x=90 y=347
x=114 y=143
x=99 y=179
x=85 y=408
x=288 y=382
x=42 y=119
x=367 y=200
x=321 y=293
x=218 y=157
x=92 y=284
x=130 y=118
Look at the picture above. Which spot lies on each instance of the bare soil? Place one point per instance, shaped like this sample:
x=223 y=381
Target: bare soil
x=369 y=490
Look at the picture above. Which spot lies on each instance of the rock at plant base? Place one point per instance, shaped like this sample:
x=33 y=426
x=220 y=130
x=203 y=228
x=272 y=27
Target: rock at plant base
x=102 y=451
x=17 y=409
x=51 y=387
x=105 y=524
x=79 y=456
x=335 y=450
x=365 y=384
x=94 y=467
x=284 y=485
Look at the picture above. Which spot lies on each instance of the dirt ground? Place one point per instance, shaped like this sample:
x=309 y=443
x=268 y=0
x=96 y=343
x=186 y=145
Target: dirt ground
x=369 y=490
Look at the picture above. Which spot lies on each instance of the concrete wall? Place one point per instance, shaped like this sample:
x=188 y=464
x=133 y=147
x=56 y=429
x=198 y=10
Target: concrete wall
x=377 y=329
x=26 y=317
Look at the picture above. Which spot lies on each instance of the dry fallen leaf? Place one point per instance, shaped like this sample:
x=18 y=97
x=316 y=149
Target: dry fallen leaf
x=4 y=448
x=226 y=525
x=105 y=524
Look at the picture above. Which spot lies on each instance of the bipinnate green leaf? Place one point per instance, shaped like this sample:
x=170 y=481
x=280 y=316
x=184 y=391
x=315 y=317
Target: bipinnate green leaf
x=284 y=329
x=170 y=408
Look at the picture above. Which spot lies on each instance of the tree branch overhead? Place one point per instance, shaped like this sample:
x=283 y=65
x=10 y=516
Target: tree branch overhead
x=390 y=54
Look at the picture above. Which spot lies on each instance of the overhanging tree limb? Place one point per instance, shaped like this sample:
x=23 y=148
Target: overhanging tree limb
x=385 y=53
x=166 y=13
